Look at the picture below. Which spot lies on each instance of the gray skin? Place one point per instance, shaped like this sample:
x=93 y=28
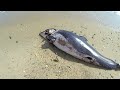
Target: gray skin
x=71 y=37
x=103 y=61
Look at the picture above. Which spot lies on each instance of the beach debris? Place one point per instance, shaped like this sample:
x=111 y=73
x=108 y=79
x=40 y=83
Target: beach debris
x=68 y=66
x=111 y=76
x=110 y=39
x=56 y=60
x=10 y=37
x=16 y=41
x=93 y=35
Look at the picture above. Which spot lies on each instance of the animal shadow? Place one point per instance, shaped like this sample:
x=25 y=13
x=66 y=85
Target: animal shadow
x=66 y=56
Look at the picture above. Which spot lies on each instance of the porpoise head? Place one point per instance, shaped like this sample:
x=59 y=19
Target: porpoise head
x=47 y=32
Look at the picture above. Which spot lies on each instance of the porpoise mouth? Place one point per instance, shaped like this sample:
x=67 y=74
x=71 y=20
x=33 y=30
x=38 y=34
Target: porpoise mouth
x=42 y=34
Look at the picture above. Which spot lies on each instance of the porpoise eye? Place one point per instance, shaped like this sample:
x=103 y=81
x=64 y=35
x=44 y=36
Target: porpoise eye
x=46 y=33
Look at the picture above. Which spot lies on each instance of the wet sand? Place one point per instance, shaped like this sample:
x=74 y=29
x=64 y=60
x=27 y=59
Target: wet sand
x=24 y=54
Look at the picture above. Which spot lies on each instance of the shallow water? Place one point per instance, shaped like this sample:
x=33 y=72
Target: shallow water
x=24 y=54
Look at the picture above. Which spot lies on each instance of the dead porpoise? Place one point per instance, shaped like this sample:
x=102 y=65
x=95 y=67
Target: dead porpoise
x=78 y=47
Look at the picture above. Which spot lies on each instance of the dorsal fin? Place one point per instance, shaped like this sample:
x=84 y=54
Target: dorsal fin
x=83 y=38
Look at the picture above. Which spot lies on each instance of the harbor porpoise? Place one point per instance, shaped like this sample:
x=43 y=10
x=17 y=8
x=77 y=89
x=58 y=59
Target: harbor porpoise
x=78 y=47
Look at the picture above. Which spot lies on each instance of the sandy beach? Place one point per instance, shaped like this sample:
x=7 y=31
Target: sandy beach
x=26 y=55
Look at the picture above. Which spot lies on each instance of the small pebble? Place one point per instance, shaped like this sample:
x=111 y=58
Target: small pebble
x=23 y=71
x=16 y=41
x=55 y=60
x=46 y=65
x=68 y=66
